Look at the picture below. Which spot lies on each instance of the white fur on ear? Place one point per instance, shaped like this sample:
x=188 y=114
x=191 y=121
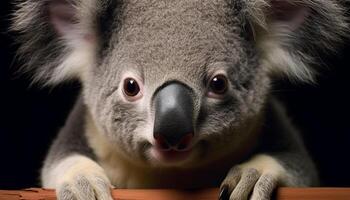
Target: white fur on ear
x=78 y=37
x=281 y=60
x=284 y=18
x=57 y=38
x=288 y=32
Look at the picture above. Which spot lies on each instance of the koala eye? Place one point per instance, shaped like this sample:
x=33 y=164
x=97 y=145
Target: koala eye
x=131 y=88
x=218 y=85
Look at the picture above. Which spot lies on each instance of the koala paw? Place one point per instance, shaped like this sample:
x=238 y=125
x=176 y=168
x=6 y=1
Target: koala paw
x=84 y=187
x=78 y=178
x=255 y=179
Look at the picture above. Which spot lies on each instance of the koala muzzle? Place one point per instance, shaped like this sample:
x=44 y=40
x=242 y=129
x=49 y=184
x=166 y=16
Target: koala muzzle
x=173 y=126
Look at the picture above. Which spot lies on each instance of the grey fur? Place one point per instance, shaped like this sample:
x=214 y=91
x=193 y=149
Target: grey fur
x=72 y=136
x=158 y=42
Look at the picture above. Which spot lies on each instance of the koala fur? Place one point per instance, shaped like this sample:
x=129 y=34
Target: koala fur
x=242 y=140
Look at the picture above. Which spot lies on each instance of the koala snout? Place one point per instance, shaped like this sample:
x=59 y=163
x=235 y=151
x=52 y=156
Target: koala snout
x=173 y=124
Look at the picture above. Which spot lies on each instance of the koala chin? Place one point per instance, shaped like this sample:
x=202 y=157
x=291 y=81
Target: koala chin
x=176 y=94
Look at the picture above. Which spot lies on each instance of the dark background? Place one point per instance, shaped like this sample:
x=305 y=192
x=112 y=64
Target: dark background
x=30 y=117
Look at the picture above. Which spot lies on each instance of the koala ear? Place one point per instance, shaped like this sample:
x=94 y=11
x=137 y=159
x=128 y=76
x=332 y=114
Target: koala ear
x=289 y=33
x=56 y=39
x=63 y=16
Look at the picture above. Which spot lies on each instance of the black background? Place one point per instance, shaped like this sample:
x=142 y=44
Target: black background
x=31 y=116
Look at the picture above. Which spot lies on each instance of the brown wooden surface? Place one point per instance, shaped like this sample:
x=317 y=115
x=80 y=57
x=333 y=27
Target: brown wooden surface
x=208 y=194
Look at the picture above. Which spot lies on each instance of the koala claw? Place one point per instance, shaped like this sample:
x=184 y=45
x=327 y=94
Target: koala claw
x=247 y=183
x=84 y=187
x=224 y=193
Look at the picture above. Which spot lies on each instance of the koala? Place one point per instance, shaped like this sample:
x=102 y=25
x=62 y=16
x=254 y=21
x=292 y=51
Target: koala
x=176 y=94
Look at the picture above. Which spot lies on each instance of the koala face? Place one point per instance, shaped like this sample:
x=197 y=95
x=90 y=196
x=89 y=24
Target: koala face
x=197 y=49
x=175 y=83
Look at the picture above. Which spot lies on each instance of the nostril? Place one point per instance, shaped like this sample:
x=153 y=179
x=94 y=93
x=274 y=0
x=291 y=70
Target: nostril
x=183 y=145
x=185 y=142
x=161 y=143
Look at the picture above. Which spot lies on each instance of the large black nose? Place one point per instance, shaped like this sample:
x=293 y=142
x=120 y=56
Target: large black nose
x=173 y=127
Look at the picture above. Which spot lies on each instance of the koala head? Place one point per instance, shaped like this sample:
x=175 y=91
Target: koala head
x=175 y=83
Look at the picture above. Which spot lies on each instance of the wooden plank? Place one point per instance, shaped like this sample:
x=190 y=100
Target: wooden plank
x=208 y=194
x=28 y=194
x=313 y=194
x=205 y=194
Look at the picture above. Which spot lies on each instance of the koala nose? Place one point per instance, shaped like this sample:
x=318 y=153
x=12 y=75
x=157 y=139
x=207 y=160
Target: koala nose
x=173 y=126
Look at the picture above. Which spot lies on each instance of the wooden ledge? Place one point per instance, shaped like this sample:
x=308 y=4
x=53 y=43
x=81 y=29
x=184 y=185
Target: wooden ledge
x=208 y=194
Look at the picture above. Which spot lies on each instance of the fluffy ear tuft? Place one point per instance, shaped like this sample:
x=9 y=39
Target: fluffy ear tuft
x=56 y=39
x=289 y=33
